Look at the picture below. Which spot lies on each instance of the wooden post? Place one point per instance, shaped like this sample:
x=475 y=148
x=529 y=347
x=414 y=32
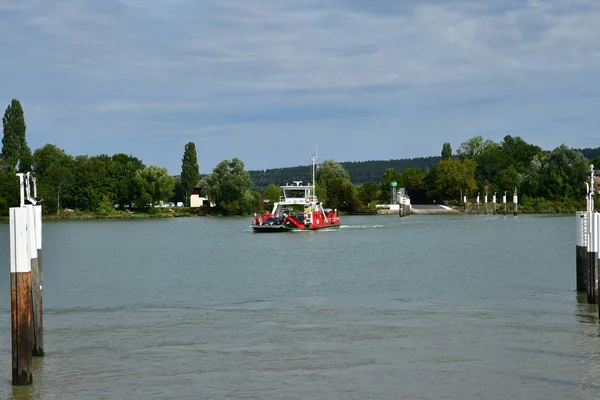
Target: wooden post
x=465 y=204
x=592 y=259
x=596 y=261
x=515 y=201
x=494 y=204
x=485 y=202
x=580 y=251
x=20 y=285
x=33 y=225
x=477 y=203
x=504 y=201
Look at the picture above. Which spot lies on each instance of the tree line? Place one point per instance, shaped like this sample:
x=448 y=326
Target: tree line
x=103 y=183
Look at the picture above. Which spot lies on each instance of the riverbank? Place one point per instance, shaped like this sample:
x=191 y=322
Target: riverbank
x=186 y=212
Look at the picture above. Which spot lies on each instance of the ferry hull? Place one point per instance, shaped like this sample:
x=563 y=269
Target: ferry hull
x=284 y=228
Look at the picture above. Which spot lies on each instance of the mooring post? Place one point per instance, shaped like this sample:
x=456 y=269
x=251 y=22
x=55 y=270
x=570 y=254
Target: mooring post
x=36 y=284
x=596 y=261
x=465 y=204
x=34 y=221
x=494 y=204
x=20 y=304
x=593 y=260
x=477 y=203
x=485 y=202
x=515 y=201
x=580 y=251
x=504 y=201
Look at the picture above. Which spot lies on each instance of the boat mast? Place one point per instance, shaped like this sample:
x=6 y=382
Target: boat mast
x=314 y=158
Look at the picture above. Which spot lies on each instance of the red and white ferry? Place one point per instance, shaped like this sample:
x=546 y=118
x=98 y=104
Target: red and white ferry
x=297 y=210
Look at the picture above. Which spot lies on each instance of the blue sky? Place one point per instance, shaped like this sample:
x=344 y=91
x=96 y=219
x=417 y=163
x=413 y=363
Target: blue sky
x=267 y=81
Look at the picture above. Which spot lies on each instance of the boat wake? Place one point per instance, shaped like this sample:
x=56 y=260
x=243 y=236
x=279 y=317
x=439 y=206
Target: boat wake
x=360 y=226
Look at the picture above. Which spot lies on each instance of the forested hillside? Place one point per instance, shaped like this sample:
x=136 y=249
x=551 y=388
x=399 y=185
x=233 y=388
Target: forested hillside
x=360 y=171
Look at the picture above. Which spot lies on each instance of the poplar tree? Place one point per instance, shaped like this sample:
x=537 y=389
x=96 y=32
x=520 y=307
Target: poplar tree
x=14 y=144
x=190 y=172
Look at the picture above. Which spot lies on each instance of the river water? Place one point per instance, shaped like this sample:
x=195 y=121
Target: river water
x=423 y=307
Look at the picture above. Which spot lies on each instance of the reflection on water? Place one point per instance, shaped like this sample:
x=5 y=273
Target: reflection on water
x=423 y=307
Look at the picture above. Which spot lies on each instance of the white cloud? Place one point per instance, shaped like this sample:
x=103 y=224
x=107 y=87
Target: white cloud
x=209 y=60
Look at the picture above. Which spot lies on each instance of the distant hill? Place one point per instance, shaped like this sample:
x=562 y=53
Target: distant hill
x=360 y=171
x=590 y=153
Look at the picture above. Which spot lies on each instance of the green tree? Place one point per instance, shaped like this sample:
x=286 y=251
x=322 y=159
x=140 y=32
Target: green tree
x=122 y=172
x=341 y=194
x=368 y=192
x=563 y=174
x=446 y=151
x=272 y=193
x=54 y=175
x=94 y=184
x=473 y=148
x=415 y=183
x=452 y=175
x=190 y=172
x=153 y=185
x=14 y=143
x=228 y=186
x=329 y=171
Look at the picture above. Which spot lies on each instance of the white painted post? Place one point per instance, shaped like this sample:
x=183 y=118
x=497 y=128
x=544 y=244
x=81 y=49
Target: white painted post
x=465 y=204
x=494 y=204
x=477 y=203
x=485 y=202
x=504 y=201
x=36 y=281
x=515 y=201
x=21 y=188
x=20 y=284
x=593 y=258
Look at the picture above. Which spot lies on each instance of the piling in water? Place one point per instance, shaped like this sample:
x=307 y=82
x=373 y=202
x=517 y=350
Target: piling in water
x=504 y=201
x=21 y=307
x=592 y=259
x=581 y=252
x=494 y=204
x=515 y=202
x=34 y=220
x=485 y=203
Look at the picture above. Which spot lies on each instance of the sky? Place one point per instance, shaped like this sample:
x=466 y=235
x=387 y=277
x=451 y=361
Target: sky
x=269 y=81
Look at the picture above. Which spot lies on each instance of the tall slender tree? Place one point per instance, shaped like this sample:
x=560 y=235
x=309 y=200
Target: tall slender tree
x=14 y=143
x=190 y=172
x=446 y=151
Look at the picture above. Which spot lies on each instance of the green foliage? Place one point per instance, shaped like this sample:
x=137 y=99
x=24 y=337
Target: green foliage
x=54 y=172
x=368 y=192
x=227 y=186
x=446 y=151
x=153 y=185
x=273 y=193
x=341 y=194
x=452 y=175
x=415 y=184
x=190 y=172
x=122 y=171
x=329 y=171
x=14 y=143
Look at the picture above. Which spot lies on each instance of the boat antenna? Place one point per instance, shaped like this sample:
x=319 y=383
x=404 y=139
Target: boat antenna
x=314 y=158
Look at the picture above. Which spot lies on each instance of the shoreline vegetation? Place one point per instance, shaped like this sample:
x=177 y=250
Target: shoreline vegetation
x=549 y=208
x=103 y=186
